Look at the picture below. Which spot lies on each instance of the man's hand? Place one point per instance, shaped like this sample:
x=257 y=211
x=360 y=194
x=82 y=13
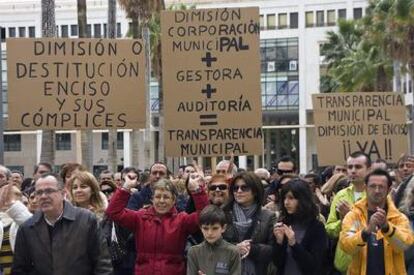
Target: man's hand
x=377 y=220
x=343 y=207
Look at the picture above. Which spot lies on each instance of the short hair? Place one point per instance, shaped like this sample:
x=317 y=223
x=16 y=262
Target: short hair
x=252 y=181
x=45 y=164
x=263 y=173
x=128 y=169
x=59 y=182
x=6 y=171
x=18 y=172
x=403 y=158
x=227 y=162
x=160 y=163
x=286 y=159
x=69 y=167
x=379 y=172
x=315 y=178
x=212 y=214
x=166 y=185
x=358 y=154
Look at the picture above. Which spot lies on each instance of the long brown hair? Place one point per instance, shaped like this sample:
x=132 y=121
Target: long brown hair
x=96 y=202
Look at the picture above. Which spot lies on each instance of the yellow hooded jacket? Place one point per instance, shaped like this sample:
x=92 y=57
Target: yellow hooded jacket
x=397 y=239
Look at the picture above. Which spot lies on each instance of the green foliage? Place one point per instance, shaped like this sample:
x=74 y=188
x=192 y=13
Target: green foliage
x=360 y=55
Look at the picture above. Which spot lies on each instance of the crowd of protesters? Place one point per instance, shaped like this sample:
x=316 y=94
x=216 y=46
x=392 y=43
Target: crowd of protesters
x=352 y=218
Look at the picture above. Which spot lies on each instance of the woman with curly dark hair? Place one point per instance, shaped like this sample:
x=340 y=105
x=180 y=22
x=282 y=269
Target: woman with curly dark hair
x=301 y=242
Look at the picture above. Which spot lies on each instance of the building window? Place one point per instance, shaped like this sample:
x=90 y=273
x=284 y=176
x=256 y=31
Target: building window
x=32 y=31
x=342 y=14
x=282 y=20
x=309 y=19
x=2 y=34
x=89 y=31
x=12 y=143
x=280 y=73
x=64 y=30
x=357 y=13
x=74 y=30
x=119 y=138
x=294 y=20
x=12 y=32
x=97 y=30
x=22 y=31
x=320 y=18
x=118 y=30
x=262 y=22
x=63 y=142
x=271 y=21
x=105 y=29
x=331 y=18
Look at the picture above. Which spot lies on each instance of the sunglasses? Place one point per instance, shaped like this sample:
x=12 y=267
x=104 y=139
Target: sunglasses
x=108 y=191
x=220 y=187
x=282 y=172
x=243 y=188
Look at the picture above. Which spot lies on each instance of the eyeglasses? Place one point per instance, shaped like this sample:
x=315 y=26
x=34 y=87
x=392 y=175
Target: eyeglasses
x=219 y=187
x=282 y=172
x=47 y=192
x=108 y=191
x=243 y=188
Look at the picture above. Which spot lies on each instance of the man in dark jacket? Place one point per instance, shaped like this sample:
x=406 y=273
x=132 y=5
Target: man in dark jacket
x=59 y=239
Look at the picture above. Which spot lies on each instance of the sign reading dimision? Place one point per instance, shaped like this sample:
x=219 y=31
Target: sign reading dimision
x=374 y=123
x=211 y=77
x=76 y=84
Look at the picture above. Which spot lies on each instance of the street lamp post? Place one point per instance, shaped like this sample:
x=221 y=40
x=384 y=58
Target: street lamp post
x=2 y=39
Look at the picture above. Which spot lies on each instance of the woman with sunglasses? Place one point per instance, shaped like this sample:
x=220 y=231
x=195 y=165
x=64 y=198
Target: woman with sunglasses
x=301 y=242
x=248 y=225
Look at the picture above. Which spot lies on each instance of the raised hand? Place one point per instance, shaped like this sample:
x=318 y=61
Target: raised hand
x=130 y=181
x=195 y=182
x=290 y=234
x=343 y=207
x=279 y=232
x=7 y=196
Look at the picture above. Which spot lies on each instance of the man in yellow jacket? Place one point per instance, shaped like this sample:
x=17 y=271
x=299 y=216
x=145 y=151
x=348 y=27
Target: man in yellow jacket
x=374 y=232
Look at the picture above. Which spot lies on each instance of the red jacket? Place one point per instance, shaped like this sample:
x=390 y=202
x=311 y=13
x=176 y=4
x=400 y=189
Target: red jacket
x=160 y=240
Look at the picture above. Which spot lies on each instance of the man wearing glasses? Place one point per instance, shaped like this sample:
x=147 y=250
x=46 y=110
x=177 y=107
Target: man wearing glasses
x=218 y=190
x=59 y=238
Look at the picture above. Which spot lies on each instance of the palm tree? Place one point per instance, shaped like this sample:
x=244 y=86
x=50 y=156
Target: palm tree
x=112 y=135
x=140 y=12
x=86 y=135
x=48 y=30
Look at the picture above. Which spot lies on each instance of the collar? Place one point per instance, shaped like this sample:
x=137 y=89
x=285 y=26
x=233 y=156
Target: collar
x=215 y=244
x=69 y=213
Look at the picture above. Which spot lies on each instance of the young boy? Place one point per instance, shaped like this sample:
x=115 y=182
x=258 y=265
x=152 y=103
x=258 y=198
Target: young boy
x=214 y=255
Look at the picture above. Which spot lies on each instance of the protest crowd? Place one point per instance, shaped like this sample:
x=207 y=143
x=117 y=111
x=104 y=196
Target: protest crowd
x=355 y=218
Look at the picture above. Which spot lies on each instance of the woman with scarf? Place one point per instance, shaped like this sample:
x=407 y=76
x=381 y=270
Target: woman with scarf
x=248 y=225
x=301 y=242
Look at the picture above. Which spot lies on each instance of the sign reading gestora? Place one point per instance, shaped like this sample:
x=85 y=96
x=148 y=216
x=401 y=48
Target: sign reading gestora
x=374 y=123
x=211 y=74
x=76 y=84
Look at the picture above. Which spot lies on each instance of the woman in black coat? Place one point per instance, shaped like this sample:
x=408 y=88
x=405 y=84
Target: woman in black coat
x=301 y=242
x=248 y=225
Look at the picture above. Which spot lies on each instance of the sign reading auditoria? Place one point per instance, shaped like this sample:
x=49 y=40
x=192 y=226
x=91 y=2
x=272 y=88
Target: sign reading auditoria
x=374 y=123
x=211 y=77
x=76 y=84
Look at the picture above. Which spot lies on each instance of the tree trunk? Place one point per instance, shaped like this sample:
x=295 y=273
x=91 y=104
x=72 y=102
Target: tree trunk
x=112 y=135
x=48 y=30
x=135 y=134
x=86 y=135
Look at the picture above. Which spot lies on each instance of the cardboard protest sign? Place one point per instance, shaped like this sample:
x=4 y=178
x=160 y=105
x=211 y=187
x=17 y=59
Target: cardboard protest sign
x=76 y=83
x=374 y=123
x=211 y=77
